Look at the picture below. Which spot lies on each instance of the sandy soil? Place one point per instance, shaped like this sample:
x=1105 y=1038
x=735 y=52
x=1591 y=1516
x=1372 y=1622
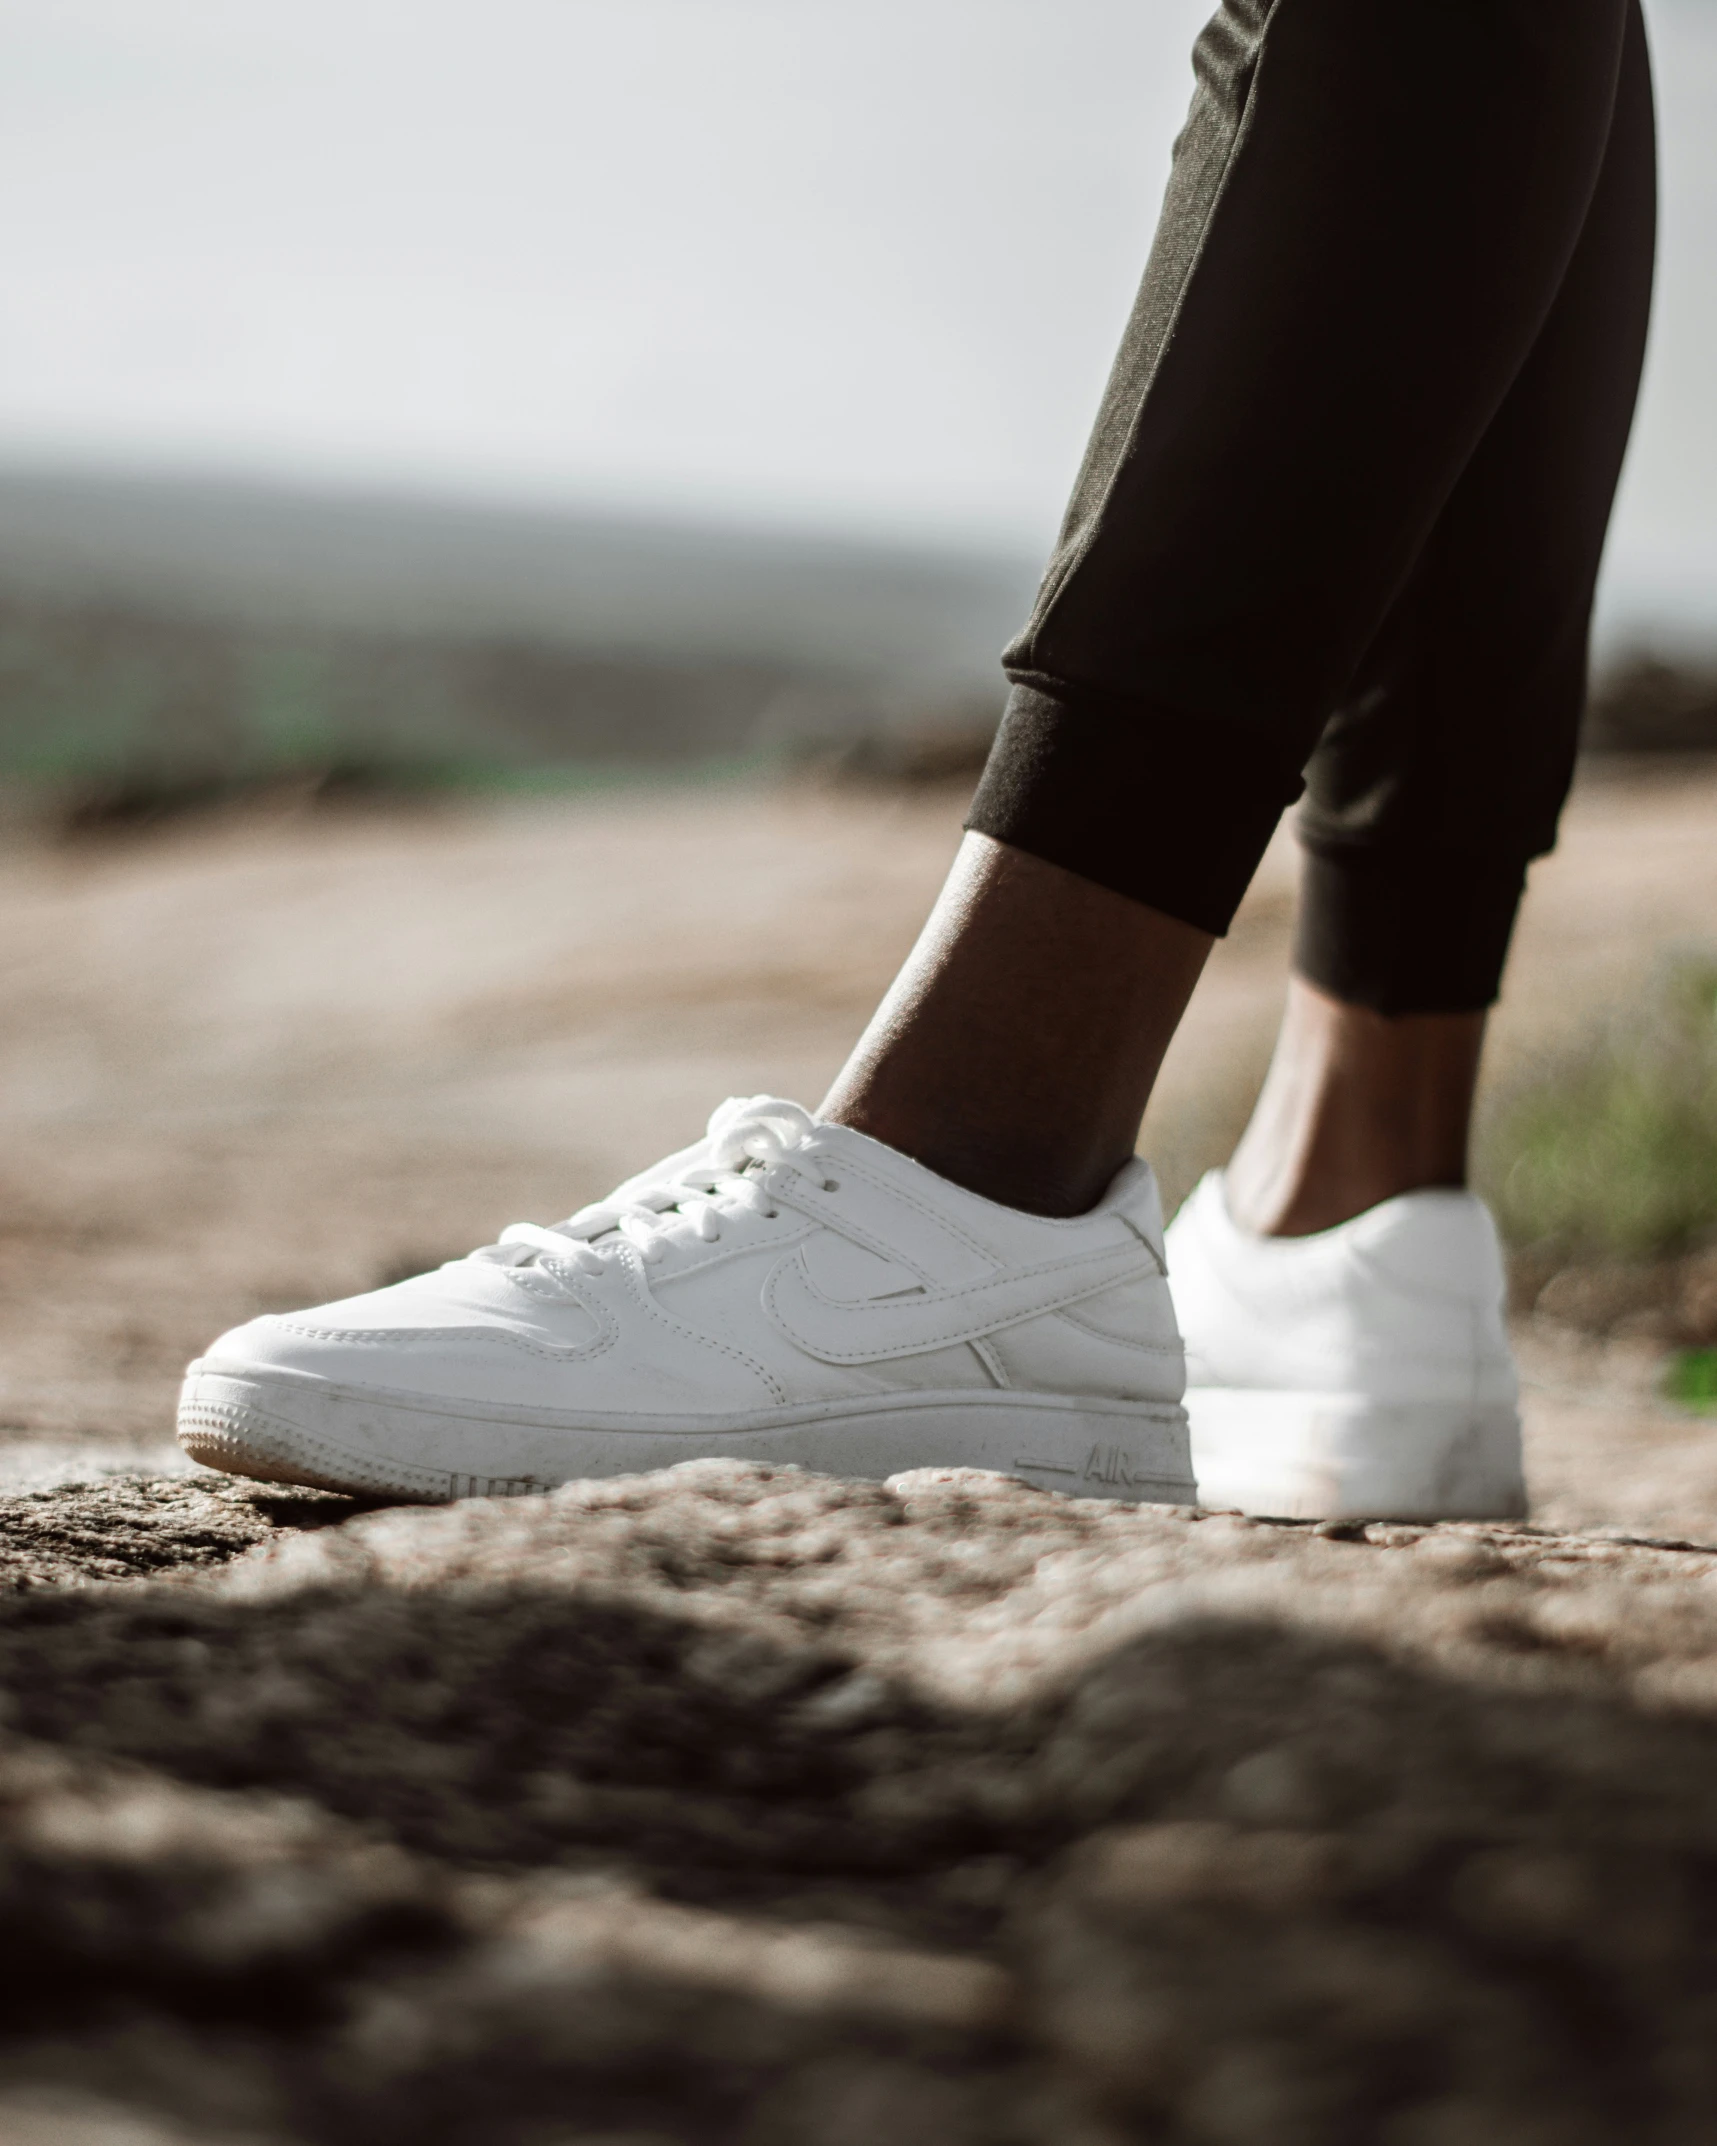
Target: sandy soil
x=742 y=1808
x=718 y=1806
x=261 y=1061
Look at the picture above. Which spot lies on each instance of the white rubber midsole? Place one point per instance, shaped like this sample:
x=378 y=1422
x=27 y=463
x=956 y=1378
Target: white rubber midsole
x=1340 y=1456
x=283 y=1426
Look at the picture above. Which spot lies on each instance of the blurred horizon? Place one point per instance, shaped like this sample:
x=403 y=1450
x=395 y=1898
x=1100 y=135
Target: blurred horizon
x=726 y=264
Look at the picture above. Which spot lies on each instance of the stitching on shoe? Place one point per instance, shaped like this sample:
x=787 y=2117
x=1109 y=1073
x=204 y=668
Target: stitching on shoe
x=856 y=1231
x=734 y=1251
x=948 y=1297
x=372 y=1337
x=567 y=1285
x=640 y=1290
x=847 y=1226
x=860 y=1167
x=1117 y=1341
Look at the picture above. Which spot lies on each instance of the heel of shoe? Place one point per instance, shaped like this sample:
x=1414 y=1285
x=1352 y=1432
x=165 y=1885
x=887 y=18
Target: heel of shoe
x=1333 y=1456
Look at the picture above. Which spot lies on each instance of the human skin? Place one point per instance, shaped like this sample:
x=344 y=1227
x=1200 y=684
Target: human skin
x=1017 y=1049
x=1357 y=1107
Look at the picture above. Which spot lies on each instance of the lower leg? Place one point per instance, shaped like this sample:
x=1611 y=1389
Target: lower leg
x=1357 y=1107
x=1349 y=301
x=1016 y=1052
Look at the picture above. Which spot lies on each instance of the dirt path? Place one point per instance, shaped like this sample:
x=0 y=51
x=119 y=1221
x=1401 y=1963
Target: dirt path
x=735 y=1809
x=257 y=1063
x=722 y=1806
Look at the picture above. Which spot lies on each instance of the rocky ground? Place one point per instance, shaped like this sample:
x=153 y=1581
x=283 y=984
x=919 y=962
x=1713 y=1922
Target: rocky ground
x=728 y=1805
x=725 y=1805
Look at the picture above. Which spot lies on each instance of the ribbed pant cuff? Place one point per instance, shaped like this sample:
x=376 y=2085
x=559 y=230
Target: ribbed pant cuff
x=1423 y=931
x=1170 y=812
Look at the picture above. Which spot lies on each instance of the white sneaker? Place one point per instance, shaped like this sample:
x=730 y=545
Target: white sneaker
x=784 y=1291
x=1364 y=1372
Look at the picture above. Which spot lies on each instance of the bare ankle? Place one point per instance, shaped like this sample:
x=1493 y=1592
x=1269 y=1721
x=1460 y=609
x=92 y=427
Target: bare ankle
x=1016 y=1051
x=1301 y=1205
x=1358 y=1107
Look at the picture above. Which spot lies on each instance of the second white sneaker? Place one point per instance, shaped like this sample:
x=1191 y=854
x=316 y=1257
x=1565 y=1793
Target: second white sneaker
x=1361 y=1373
x=785 y=1290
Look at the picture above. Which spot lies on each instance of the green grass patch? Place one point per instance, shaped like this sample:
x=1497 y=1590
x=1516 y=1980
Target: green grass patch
x=1611 y=1151
x=1691 y=1380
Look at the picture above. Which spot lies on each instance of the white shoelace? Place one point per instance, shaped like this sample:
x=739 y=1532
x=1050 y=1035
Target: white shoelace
x=750 y=1138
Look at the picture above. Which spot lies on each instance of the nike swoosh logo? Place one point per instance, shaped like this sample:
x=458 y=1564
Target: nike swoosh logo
x=847 y=1333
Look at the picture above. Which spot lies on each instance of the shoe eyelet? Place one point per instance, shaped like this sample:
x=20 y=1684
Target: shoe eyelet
x=831 y=1184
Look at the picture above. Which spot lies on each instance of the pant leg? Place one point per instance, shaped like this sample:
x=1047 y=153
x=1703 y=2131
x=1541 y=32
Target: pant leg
x=1443 y=771
x=1371 y=210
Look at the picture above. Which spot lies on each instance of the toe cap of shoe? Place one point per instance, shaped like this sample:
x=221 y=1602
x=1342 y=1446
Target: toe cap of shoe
x=450 y=1337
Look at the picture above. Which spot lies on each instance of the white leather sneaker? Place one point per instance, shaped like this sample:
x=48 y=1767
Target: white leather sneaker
x=1361 y=1373
x=783 y=1291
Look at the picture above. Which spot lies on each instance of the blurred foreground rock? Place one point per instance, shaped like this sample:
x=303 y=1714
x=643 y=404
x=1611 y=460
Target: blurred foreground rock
x=741 y=1805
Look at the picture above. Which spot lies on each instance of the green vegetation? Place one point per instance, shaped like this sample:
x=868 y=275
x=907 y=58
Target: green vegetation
x=1692 y=1380
x=106 y=703
x=1611 y=1152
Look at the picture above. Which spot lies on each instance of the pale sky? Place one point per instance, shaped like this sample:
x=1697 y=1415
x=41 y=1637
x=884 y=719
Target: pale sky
x=855 y=267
